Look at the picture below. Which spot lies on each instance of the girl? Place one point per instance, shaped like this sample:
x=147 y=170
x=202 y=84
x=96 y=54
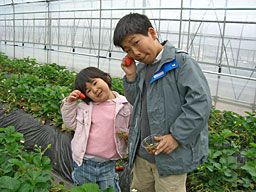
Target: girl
x=97 y=120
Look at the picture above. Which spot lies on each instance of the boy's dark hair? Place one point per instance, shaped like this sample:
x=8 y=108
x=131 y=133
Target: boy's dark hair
x=87 y=75
x=133 y=23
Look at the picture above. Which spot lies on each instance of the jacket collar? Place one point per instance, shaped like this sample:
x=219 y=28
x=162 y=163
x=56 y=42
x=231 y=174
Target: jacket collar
x=119 y=98
x=168 y=54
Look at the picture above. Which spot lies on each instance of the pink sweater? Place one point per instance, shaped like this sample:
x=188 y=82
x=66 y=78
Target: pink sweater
x=102 y=131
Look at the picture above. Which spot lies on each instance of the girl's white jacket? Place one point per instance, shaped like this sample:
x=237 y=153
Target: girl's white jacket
x=77 y=116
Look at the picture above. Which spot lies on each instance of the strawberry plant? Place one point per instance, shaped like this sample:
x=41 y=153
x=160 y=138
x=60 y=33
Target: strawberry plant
x=90 y=187
x=231 y=164
x=33 y=95
x=117 y=85
x=51 y=73
x=21 y=170
x=56 y=74
x=19 y=66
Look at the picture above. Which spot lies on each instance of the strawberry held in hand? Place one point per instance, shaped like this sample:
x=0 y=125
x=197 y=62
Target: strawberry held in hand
x=82 y=96
x=128 y=61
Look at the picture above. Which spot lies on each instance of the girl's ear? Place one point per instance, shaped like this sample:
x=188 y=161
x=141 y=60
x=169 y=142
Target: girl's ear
x=152 y=33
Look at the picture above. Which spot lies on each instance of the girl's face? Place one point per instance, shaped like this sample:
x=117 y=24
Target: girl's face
x=142 y=48
x=98 y=90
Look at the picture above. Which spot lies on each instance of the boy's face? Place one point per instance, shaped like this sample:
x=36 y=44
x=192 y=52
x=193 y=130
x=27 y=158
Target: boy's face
x=142 y=48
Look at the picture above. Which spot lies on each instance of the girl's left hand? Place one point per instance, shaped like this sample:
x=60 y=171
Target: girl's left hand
x=123 y=135
x=167 y=144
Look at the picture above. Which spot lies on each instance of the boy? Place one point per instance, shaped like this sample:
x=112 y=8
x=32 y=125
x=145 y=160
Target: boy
x=171 y=98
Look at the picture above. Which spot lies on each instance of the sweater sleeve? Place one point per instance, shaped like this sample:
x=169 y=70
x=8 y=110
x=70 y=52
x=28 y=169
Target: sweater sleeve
x=69 y=113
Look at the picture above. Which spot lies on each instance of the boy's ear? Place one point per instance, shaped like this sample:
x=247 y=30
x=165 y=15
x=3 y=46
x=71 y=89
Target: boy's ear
x=152 y=33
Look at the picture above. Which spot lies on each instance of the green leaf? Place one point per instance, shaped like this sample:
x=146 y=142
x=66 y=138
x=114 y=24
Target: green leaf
x=216 y=154
x=25 y=187
x=217 y=165
x=88 y=187
x=16 y=162
x=250 y=167
x=9 y=183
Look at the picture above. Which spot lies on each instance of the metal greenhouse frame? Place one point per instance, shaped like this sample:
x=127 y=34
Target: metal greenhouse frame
x=220 y=35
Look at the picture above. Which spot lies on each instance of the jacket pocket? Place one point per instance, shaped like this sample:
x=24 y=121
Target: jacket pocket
x=124 y=112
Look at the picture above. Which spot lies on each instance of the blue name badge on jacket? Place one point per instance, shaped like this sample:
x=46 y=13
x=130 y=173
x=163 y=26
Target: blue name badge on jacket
x=165 y=68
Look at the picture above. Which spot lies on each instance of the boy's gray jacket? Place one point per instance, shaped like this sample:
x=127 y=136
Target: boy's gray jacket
x=178 y=104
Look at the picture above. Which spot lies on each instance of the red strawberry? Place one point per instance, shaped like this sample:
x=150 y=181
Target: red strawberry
x=128 y=61
x=82 y=96
x=119 y=168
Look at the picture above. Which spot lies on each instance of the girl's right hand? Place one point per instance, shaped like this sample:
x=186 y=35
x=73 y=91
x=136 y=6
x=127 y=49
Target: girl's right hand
x=129 y=67
x=73 y=96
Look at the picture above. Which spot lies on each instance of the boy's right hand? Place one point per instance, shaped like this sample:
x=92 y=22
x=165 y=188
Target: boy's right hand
x=73 y=96
x=129 y=67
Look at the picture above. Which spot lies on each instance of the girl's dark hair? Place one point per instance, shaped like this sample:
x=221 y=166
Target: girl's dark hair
x=87 y=75
x=133 y=23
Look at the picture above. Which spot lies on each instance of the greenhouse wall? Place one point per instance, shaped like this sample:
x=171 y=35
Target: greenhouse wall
x=219 y=34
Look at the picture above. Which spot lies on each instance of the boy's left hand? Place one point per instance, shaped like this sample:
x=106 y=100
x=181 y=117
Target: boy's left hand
x=166 y=145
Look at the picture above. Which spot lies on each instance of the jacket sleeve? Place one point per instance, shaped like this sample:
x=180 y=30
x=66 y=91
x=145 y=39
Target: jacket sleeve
x=69 y=113
x=131 y=89
x=131 y=109
x=196 y=106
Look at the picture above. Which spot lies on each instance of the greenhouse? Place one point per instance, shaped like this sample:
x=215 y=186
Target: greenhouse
x=44 y=44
